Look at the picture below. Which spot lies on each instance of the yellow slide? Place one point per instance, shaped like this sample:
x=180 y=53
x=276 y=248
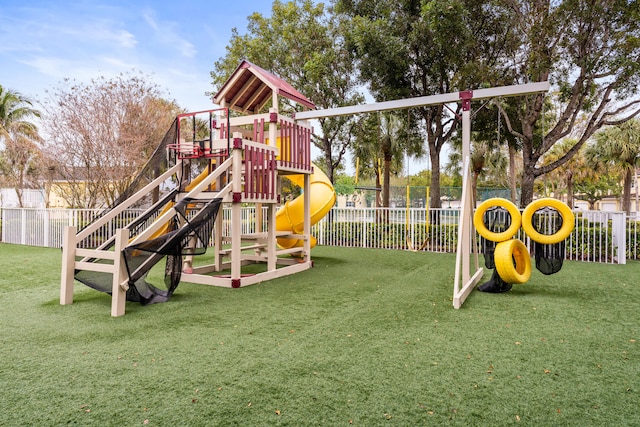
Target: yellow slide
x=290 y=217
x=165 y=228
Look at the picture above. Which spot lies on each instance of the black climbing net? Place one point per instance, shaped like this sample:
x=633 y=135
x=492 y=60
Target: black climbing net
x=189 y=233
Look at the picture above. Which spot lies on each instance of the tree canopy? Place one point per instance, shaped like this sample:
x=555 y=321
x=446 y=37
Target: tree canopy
x=618 y=148
x=101 y=133
x=413 y=48
x=302 y=44
x=590 y=52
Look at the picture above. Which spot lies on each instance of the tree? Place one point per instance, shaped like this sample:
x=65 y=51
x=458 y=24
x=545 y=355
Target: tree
x=344 y=185
x=396 y=137
x=595 y=186
x=303 y=45
x=366 y=152
x=589 y=50
x=413 y=48
x=101 y=133
x=576 y=170
x=487 y=162
x=19 y=135
x=619 y=148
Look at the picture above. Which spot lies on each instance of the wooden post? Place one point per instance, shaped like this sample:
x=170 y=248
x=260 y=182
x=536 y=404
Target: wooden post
x=120 y=276
x=307 y=218
x=69 y=244
x=217 y=237
x=236 y=214
x=271 y=237
x=466 y=232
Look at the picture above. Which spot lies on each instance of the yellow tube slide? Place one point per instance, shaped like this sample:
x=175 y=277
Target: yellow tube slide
x=290 y=217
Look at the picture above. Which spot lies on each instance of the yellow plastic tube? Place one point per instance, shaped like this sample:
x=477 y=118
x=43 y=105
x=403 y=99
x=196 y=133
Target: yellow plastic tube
x=290 y=217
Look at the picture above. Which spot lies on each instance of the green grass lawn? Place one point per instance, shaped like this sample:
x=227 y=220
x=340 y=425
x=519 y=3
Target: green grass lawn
x=366 y=337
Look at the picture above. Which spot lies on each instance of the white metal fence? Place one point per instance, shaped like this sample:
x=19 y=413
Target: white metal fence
x=605 y=237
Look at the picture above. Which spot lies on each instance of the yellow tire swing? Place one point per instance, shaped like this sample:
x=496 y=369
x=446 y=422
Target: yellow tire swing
x=511 y=257
x=513 y=262
x=496 y=202
x=568 y=221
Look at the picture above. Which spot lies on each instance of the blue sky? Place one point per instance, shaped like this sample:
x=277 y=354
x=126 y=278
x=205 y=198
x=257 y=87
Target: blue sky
x=176 y=42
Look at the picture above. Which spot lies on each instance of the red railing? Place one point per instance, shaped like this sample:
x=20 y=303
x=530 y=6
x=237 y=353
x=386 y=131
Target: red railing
x=295 y=146
x=197 y=131
x=260 y=172
x=258 y=131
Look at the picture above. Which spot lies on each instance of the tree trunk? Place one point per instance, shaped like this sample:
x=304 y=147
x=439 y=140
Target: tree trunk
x=474 y=189
x=386 y=184
x=570 y=191
x=626 y=196
x=19 y=194
x=526 y=188
x=328 y=159
x=434 y=189
x=512 y=174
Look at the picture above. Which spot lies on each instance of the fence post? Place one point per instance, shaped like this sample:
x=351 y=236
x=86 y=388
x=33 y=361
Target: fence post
x=618 y=236
x=47 y=223
x=23 y=231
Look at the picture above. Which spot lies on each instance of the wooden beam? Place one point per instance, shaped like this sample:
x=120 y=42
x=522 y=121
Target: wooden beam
x=423 y=101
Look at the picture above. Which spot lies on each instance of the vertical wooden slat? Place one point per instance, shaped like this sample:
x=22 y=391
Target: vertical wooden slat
x=68 y=261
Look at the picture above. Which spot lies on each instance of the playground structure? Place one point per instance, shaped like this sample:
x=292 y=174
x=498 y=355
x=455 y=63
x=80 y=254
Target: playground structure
x=245 y=156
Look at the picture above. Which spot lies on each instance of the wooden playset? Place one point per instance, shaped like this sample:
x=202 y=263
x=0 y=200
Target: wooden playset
x=247 y=154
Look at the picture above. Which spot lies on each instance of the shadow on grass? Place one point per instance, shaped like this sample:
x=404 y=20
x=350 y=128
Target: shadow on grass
x=542 y=291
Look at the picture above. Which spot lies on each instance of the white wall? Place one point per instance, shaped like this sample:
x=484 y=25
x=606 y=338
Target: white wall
x=30 y=198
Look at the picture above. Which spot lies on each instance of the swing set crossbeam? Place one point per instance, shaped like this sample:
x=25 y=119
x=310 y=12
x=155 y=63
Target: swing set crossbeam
x=425 y=101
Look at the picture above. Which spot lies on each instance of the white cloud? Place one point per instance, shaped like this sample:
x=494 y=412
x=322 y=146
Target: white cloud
x=47 y=65
x=126 y=39
x=167 y=33
x=149 y=19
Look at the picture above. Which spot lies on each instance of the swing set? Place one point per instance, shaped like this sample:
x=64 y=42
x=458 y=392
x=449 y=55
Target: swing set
x=467 y=249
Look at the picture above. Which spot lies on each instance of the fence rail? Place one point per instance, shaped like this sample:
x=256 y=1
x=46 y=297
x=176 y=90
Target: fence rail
x=604 y=237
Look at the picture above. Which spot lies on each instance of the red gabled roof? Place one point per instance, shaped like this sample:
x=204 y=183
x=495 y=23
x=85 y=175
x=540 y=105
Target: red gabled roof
x=250 y=87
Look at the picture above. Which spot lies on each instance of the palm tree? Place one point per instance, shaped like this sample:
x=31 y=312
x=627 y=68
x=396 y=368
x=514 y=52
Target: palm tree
x=16 y=111
x=366 y=153
x=395 y=139
x=619 y=146
x=386 y=136
x=574 y=171
x=487 y=160
x=18 y=135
